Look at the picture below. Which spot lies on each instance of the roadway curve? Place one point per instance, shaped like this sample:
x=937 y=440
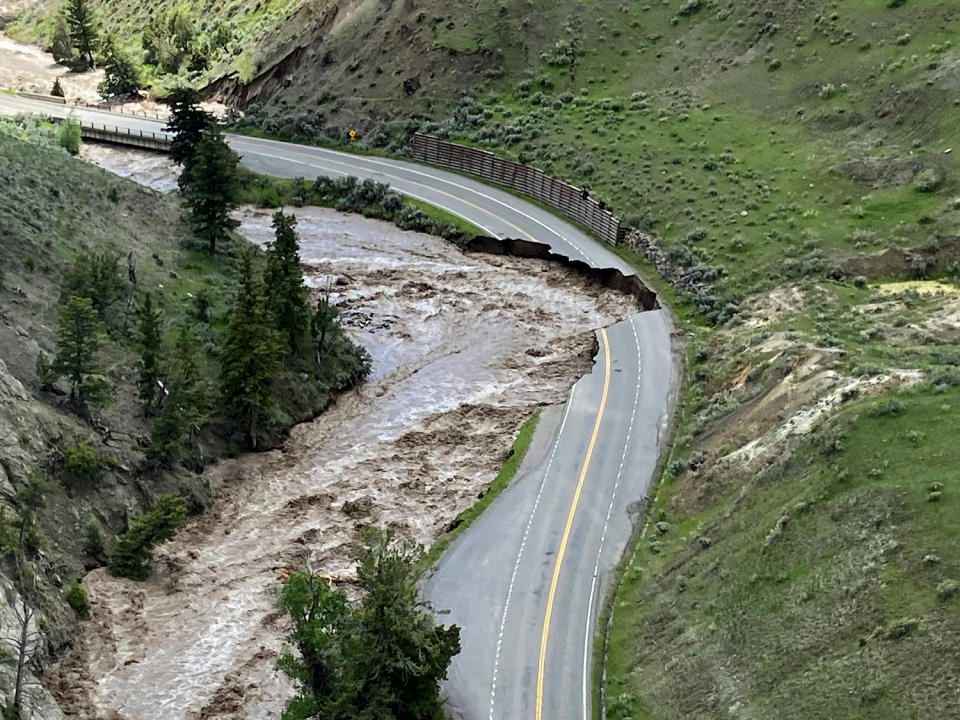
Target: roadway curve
x=525 y=582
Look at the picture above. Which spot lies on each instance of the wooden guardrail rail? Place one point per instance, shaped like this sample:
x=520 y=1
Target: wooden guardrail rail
x=568 y=199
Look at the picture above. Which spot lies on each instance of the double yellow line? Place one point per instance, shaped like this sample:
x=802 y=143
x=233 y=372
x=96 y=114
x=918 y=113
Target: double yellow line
x=566 y=530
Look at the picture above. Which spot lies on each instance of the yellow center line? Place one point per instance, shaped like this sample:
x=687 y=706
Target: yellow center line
x=431 y=189
x=566 y=530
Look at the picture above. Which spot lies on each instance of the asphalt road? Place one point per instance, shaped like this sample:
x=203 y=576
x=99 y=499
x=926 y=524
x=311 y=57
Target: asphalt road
x=525 y=582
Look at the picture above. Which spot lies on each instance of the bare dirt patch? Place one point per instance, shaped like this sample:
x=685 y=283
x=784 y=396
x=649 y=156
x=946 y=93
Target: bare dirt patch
x=464 y=348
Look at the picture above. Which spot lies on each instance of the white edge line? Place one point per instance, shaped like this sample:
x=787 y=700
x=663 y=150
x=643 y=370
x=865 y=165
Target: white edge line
x=523 y=542
x=587 y=705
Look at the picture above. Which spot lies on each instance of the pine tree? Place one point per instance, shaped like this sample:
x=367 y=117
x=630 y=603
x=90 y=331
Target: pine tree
x=186 y=406
x=286 y=294
x=121 y=76
x=57 y=89
x=150 y=337
x=187 y=123
x=134 y=551
x=60 y=45
x=323 y=323
x=249 y=356
x=46 y=373
x=79 y=17
x=380 y=658
x=208 y=184
x=78 y=340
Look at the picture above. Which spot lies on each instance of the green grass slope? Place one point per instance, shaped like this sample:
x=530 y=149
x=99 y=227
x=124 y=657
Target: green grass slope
x=824 y=586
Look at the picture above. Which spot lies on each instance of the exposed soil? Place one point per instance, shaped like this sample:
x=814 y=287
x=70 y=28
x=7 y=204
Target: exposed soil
x=464 y=348
x=28 y=68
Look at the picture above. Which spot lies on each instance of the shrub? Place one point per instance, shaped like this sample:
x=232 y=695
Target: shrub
x=81 y=462
x=134 y=551
x=947 y=589
x=887 y=408
x=69 y=136
x=927 y=180
x=895 y=3
x=828 y=91
x=76 y=598
x=830 y=441
x=943 y=377
x=94 y=546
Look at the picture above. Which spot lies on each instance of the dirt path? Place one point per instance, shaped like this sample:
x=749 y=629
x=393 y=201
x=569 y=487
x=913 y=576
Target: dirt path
x=464 y=348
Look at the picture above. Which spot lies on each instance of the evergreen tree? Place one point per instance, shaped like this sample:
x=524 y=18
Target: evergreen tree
x=208 y=184
x=57 y=89
x=186 y=406
x=134 y=551
x=381 y=658
x=150 y=337
x=286 y=294
x=97 y=277
x=324 y=321
x=79 y=18
x=78 y=340
x=249 y=355
x=60 y=45
x=121 y=76
x=187 y=123
x=46 y=372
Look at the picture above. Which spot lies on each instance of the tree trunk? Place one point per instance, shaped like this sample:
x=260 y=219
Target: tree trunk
x=252 y=433
x=212 y=247
x=22 y=647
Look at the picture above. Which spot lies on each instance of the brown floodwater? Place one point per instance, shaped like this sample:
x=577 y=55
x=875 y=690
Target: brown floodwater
x=465 y=347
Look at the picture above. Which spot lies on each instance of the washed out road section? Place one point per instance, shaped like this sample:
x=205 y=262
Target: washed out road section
x=504 y=215
x=465 y=347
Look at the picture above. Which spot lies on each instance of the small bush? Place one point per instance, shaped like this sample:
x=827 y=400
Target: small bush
x=887 y=408
x=94 y=546
x=947 y=589
x=81 y=462
x=76 y=598
x=69 y=136
x=828 y=91
x=895 y=3
x=927 y=180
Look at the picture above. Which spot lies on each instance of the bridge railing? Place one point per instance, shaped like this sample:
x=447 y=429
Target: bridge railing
x=125 y=136
x=570 y=200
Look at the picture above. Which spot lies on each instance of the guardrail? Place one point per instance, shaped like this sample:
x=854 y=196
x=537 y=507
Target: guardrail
x=125 y=136
x=96 y=106
x=572 y=201
x=41 y=96
x=119 y=109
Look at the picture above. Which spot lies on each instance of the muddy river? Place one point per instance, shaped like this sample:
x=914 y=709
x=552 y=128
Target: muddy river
x=464 y=347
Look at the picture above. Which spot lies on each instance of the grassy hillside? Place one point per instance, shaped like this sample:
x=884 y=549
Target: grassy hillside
x=822 y=586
